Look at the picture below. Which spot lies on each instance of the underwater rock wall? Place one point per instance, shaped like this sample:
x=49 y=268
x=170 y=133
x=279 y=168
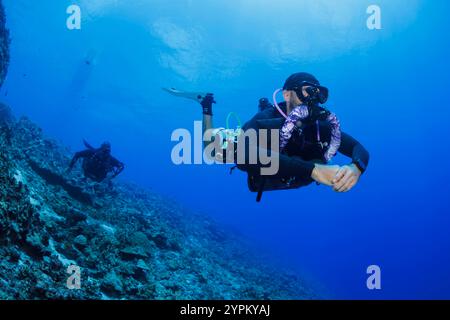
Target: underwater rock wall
x=4 y=45
x=130 y=243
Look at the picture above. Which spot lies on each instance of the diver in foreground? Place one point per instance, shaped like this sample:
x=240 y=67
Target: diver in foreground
x=98 y=163
x=310 y=136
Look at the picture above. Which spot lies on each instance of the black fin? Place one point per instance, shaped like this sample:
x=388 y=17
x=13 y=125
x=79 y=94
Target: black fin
x=87 y=145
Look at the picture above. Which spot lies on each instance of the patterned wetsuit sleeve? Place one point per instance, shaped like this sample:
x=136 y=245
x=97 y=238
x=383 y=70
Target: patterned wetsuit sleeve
x=299 y=113
x=335 y=141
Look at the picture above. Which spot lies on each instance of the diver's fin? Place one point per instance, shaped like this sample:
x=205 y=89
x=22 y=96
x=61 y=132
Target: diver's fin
x=87 y=145
x=197 y=96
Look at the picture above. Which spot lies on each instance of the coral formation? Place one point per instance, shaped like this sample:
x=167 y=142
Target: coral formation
x=130 y=243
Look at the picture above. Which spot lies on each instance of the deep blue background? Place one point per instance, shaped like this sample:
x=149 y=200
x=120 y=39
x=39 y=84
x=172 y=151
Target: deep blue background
x=389 y=88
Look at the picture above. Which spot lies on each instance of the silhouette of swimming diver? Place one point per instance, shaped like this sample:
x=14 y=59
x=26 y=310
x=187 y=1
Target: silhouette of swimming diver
x=98 y=163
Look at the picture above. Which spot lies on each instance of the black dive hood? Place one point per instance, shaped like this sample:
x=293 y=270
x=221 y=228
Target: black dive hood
x=317 y=94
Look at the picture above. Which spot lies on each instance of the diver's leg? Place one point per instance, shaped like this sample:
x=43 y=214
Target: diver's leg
x=206 y=100
x=207 y=104
x=207 y=125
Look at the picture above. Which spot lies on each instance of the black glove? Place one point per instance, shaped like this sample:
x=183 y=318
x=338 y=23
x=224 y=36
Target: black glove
x=207 y=103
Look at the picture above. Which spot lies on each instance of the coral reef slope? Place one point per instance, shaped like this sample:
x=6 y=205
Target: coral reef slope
x=129 y=243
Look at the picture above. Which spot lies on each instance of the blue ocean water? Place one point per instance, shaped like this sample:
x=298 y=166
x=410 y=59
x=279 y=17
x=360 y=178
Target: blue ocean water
x=388 y=87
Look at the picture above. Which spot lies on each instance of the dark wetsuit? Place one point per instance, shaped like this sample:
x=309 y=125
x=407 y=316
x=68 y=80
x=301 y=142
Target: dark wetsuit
x=97 y=164
x=302 y=152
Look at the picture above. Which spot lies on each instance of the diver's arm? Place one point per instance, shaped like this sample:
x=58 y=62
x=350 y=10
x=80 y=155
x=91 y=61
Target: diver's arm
x=74 y=160
x=116 y=167
x=77 y=156
x=351 y=148
x=349 y=175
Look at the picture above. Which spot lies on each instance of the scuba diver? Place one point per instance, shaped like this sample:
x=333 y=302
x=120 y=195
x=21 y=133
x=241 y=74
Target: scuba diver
x=98 y=162
x=310 y=136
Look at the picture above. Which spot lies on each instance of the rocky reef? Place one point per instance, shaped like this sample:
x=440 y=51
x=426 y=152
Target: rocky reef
x=129 y=243
x=4 y=45
x=126 y=242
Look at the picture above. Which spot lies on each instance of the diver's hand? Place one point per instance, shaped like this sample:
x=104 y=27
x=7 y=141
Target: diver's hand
x=325 y=174
x=346 y=178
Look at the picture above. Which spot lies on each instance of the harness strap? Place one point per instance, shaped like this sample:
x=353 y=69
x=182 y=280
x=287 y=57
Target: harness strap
x=261 y=190
x=318 y=131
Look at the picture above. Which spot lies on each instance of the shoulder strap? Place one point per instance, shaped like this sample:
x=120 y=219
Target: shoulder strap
x=262 y=184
